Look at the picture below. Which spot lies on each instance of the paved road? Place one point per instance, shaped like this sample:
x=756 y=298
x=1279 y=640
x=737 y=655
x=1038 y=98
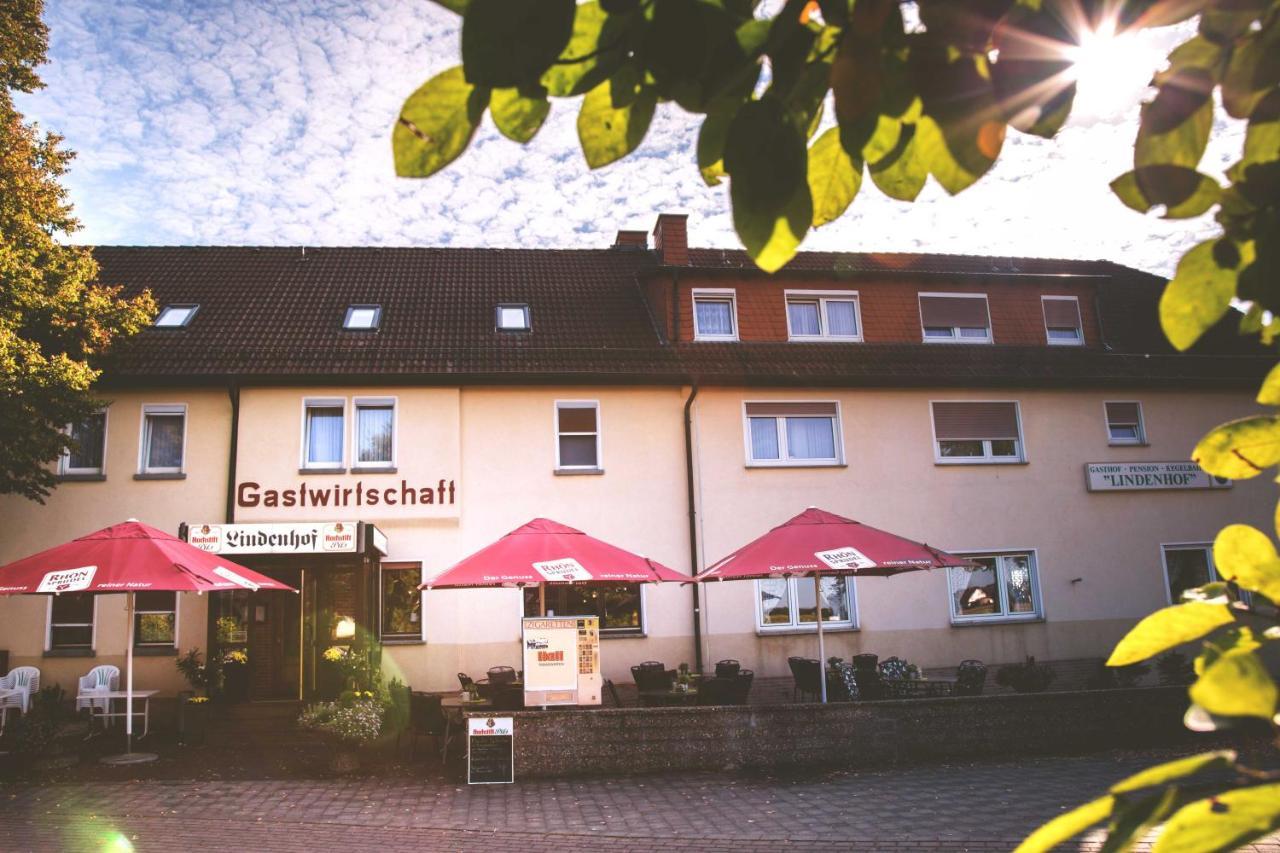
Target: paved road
x=979 y=807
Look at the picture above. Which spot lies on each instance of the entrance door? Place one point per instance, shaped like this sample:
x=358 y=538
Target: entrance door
x=275 y=640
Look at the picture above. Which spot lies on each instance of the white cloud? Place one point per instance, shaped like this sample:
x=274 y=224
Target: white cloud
x=251 y=123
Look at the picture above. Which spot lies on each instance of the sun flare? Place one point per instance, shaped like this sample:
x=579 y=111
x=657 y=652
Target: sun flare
x=1111 y=70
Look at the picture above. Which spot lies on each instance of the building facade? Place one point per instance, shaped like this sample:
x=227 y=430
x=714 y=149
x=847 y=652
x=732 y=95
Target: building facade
x=389 y=411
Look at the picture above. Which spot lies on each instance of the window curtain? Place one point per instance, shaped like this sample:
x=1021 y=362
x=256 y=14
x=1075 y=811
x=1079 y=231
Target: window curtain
x=835 y=604
x=810 y=438
x=775 y=602
x=374 y=427
x=804 y=318
x=842 y=319
x=764 y=438
x=324 y=434
x=715 y=317
x=164 y=441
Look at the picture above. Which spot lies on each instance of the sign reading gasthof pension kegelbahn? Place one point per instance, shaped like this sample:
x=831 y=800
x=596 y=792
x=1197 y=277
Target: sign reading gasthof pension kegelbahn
x=1144 y=476
x=331 y=537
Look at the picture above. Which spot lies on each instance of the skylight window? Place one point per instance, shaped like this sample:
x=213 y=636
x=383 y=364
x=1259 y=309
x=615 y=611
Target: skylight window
x=175 y=316
x=363 y=317
x=513 y=317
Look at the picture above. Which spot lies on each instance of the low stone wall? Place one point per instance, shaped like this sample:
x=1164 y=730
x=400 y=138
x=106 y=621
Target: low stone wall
x=850 y=735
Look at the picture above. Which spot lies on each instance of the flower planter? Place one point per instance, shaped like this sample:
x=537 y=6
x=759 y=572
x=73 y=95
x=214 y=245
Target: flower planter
x=193 y=720
x=235 y=684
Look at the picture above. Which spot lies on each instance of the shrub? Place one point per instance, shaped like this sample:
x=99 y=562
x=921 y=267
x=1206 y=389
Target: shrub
x=1174 y=668
x=1113 y=677
x=1026 y=677
x=200 y=675
x=34 y=732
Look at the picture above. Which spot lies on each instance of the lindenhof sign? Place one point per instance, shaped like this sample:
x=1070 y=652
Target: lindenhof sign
x=1148 y=476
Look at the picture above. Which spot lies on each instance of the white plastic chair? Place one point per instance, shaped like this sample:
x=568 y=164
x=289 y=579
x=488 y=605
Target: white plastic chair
x=101 y=679
x=25 y=679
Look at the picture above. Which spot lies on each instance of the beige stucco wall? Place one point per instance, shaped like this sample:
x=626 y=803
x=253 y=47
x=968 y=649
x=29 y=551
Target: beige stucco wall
x=497 y=446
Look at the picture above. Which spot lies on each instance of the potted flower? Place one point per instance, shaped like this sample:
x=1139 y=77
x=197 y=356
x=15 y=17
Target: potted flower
x=193 y=708
x=235 y=675
x=350 y=725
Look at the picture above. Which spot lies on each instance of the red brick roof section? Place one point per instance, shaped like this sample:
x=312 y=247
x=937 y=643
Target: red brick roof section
x=605 y=316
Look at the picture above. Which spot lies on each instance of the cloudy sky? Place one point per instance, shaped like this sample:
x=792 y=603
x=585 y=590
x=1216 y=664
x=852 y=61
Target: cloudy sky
x=254 y=122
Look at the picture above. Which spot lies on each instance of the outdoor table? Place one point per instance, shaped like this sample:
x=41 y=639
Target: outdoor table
x=5 y=693
x=670 y=697
x=454 y=709
x=122 y=695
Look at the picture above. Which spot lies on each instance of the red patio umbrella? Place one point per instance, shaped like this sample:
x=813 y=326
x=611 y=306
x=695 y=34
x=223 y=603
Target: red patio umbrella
x=817 y=543
x=547 y=552
x=126 y=558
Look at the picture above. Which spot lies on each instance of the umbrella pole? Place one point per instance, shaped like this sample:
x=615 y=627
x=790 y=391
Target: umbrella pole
x=822 y=646
x=542 y=599
x=128 y=690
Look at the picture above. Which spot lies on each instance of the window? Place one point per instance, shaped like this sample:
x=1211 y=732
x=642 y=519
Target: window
x=164 y=429
x=977 y=432
x=1001 y=587
x=363 y=317
x=819 y=315
x=1187 y=567
x=71 y=621
x=715 y=315
x=323 y=431
x=1124 y=423
x=1062 y=320
x=578 y=435
x=787 y=604
x=401 y=601
x=620 y=606
x=375 y=433
x=90 y=440
x=793 y=434
x=513 y=318
x=175 y=316
x=155 y=619
x=955 y=318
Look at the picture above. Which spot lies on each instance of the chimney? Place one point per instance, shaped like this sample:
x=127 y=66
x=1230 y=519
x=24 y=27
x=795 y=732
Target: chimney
x=632 y=241
x=671 y=239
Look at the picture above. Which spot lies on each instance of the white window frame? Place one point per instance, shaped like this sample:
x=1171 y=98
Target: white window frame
x=522 y=306
x=422 y=605
x=795 y=626
x=192 y=308
x=143 y=448
x=607 y=633
x=822 y=297
x=1020 y=458
x=177 y=623
x=783 y=461
x=362 y=306
x=1001 y=583
x=1207 y=547
x=599 y=433
x=715 y=294
x=374 y=402
x=955 y=336
x=93 y=633
x=322 y=402
x=64 y=467
x=1078 y=340
x=1139 y=441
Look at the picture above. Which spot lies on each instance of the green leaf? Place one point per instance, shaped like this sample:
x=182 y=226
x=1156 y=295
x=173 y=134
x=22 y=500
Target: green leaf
x=1262 y=138
x=1184 y=192
x=614 y=118
x=901 y=173
x=933 y=149
x=1240 y=449
x=1237 y=638
x=1066 y=826
x=1245 y=555
x=1166 y=628
x=766 y=159
x=436 y=124
x=594 y=51
x=1253 y=70
x=456 y=6
x=1172 y=770
x=509 y=43
x=834 y=177
x=519 y=116
x=1236 y=685
x=1223 y=822
x=711 y=139
x=1197 y=298
x=1133 y=818
x=1174 y=128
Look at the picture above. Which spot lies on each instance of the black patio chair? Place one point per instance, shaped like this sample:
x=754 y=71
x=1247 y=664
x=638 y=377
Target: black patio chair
x=727 y=668
x=502 y=674
x=612 y=693
x=467 y=683
x=651 y=678
x=971 y=677
x=866 y=674
x=506 y=697
x=426 y=719
x=716 y=691
x=806 y=673
x=741 y=687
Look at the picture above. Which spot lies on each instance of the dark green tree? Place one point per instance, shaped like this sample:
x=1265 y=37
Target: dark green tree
x=55 y=323
x=936 y=98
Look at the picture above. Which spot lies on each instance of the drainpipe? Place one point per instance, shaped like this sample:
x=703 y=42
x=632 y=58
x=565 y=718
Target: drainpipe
x=693 y=526
x=233 y=392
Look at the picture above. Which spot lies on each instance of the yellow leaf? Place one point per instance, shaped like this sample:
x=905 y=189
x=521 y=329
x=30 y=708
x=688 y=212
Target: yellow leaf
x=1240 y=449
x=1065 y=826
x=1167 y=628
x=1246 y=556
x=1236 y=685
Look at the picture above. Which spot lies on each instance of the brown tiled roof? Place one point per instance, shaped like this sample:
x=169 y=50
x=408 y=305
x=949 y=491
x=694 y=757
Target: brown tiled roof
x=275 y=314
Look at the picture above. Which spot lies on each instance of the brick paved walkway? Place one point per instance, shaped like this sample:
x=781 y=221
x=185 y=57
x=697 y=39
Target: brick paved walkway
x=979 y=807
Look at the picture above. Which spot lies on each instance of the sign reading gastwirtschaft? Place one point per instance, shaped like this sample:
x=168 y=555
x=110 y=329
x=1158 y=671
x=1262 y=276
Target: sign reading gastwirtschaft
x=1148 y=476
